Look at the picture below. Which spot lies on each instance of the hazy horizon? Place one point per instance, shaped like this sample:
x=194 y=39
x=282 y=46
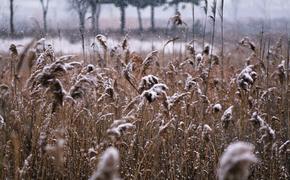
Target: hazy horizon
x=60 y=14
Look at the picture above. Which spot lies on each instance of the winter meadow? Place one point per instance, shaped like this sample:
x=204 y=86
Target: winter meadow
x=145 y=89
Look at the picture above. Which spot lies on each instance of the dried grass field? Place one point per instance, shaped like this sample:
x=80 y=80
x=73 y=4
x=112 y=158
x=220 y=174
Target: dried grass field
x=146 y=115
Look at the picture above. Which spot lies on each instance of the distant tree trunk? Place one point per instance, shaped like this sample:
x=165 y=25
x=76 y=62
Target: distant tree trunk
x=93 y=15
x=81 y=7
x=204 y=30
x=139 y=19
x=193 y=21
x=12 y=31
x=82 y=21
x=98 y=17
x=123 y=19
x=222 y=38
x=82 y=31
x=44 y=14
x=45 y=21
x=152 y=18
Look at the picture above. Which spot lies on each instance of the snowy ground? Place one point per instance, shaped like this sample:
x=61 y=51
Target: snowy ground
x=63 y=46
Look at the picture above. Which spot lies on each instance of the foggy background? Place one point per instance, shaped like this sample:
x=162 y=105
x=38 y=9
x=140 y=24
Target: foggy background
x=242 y=18
x=61 y=15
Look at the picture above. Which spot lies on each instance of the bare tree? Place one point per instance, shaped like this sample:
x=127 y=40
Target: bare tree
x=12 y=30
x=213 y=18
x=193 y=4
x=139 y=4
x=95 y=15
x=152 y=17
x=44 y=5
x=122 y=5
x=93 y=5
x=81 y=7
x=221 y=13
x=205 y=8
x=152 y=5
x=98 y=12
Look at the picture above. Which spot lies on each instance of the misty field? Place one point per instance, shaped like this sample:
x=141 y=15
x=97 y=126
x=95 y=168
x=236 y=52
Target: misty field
x=196 y=103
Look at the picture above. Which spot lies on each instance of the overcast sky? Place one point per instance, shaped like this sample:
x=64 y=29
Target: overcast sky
x=61 y=15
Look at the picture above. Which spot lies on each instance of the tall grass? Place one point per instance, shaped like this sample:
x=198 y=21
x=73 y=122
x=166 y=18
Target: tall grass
x=143 y=116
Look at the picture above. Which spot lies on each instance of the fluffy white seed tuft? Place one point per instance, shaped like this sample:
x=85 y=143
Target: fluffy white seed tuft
x=108 y=166
x=236 y=160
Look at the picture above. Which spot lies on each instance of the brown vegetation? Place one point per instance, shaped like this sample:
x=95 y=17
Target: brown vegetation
x=169 y=117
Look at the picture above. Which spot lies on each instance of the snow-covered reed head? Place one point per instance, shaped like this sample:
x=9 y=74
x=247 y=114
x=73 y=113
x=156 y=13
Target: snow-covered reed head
x=108 y=167
x=227 y=117
x=149 y=60
x=206 y=132
x=102 y=40
x=49 y=72
x=217 y=108
x=191 y=83
x=118 y=128
x=199 y=58
x=206 y=50
x=268 y=134
x=13 y=49
x=235 y=162
x=247 y=77
x=147 y=82
x=190 y=49
x=280 y=73
x=150 y=57
x=89 y=68
x=56 y=87
x=176 y=19
x=154 y=92
x=246 y=42
x=172 y=101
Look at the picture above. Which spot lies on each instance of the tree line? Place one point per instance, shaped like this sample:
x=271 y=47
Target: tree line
x=83 y=7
